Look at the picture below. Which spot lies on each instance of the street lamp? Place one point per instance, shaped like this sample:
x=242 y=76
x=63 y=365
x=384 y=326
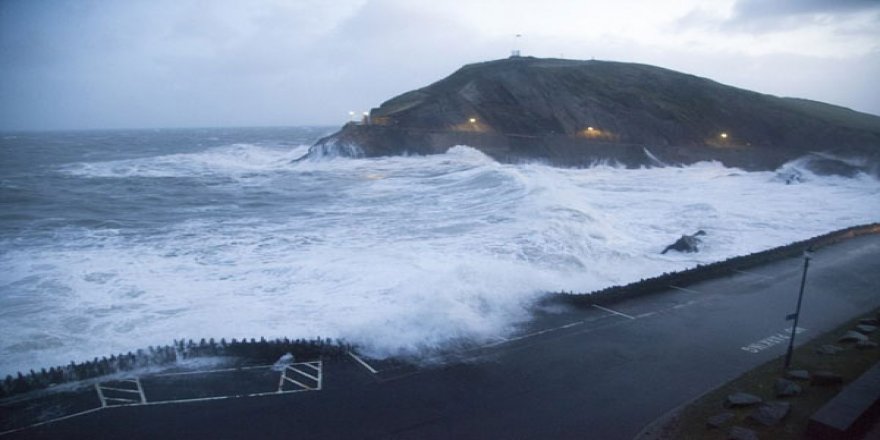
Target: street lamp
x=797 y=313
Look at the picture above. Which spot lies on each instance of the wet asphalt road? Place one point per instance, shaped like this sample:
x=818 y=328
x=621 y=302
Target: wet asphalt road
x=600 y=373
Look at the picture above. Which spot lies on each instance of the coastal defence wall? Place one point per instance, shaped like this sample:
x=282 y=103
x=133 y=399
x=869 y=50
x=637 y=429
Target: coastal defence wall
x=709 y=271
x=267 y=351
x=253 y=350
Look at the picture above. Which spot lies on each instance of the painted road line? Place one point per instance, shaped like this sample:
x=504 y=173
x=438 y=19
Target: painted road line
x=316 y=378
x=142 y=401
x=160 y=402
x=124 y=390
x=525 y=336
x=645 y=315
x=683 y=305
x=770 y=341
x=541 y=332
x=184 y=373
x=140 y=390
x=613 y=311
x=685 y=290
x=362 y=362
x=101 y=396
x=745 y=272
x=46 y=422
x=234 y=396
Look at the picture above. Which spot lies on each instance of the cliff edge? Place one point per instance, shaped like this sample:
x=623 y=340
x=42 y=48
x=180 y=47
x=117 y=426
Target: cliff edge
x=575 y=113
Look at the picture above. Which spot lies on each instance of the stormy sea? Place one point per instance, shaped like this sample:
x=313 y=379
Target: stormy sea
x=112 y=241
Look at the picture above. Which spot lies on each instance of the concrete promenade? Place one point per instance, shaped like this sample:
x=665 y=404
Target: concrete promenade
x=597 y=372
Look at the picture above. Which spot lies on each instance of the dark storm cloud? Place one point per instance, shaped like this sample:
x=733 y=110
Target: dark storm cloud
x=852 y=16
x=760 y=9
x=161 y=63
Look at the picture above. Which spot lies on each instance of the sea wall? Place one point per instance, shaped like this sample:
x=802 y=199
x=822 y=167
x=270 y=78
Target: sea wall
x=710 y=271
x=260 y=351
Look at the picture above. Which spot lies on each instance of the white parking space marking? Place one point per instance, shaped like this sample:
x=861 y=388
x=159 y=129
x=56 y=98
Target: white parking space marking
x=300 y=375
x=116 y=401
x=362 y=362
x=684 y=289
x=613 y=311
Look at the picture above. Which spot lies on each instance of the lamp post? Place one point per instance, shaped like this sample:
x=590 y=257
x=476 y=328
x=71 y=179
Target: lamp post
x=797 y=313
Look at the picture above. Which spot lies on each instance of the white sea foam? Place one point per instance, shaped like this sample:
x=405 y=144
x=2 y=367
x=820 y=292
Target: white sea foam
x=399 y=255
x=232 y=159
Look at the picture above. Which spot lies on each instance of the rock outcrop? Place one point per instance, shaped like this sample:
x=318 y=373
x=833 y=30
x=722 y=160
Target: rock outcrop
x=687 y=243
x=575 y=113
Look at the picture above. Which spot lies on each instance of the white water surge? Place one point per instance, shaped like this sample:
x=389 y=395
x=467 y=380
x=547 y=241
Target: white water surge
x=398 y=255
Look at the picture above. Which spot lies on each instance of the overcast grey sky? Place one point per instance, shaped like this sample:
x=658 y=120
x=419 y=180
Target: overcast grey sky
x=186 y=63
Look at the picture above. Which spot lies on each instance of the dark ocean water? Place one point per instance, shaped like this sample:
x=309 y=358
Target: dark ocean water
x=115 y=240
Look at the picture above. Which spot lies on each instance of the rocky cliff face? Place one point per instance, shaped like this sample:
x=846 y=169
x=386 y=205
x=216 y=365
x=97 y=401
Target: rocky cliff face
x=574 y=113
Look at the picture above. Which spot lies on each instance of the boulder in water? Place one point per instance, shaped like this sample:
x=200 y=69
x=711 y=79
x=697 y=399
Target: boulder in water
x=687 y=243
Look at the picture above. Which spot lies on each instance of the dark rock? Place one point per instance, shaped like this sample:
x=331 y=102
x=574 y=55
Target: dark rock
x=740 y=433
x=863 y=345
x=790 y=176
x=771 y=413
x=797 y=375
x=737 y=400
x=687 y=243
x=852 y=336
x=826 y=378
x=719 y=420
x=576 y=113
x=829 y=350
x=786 y=388
x=870 y=321
x=866 y=329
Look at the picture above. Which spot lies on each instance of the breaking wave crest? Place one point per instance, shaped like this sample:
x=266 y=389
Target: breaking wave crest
x=232 y=159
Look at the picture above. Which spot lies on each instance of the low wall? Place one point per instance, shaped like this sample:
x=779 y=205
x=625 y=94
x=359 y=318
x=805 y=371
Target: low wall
x=262 y=350
x=712 y=270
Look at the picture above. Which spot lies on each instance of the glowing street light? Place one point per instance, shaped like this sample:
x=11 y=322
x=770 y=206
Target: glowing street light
x=723 y=135
x=590 y=128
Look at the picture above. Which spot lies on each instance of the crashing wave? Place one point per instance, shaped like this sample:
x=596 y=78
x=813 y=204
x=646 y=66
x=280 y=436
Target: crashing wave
x=333 y=149
x=821 y=164
x=655 y=161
